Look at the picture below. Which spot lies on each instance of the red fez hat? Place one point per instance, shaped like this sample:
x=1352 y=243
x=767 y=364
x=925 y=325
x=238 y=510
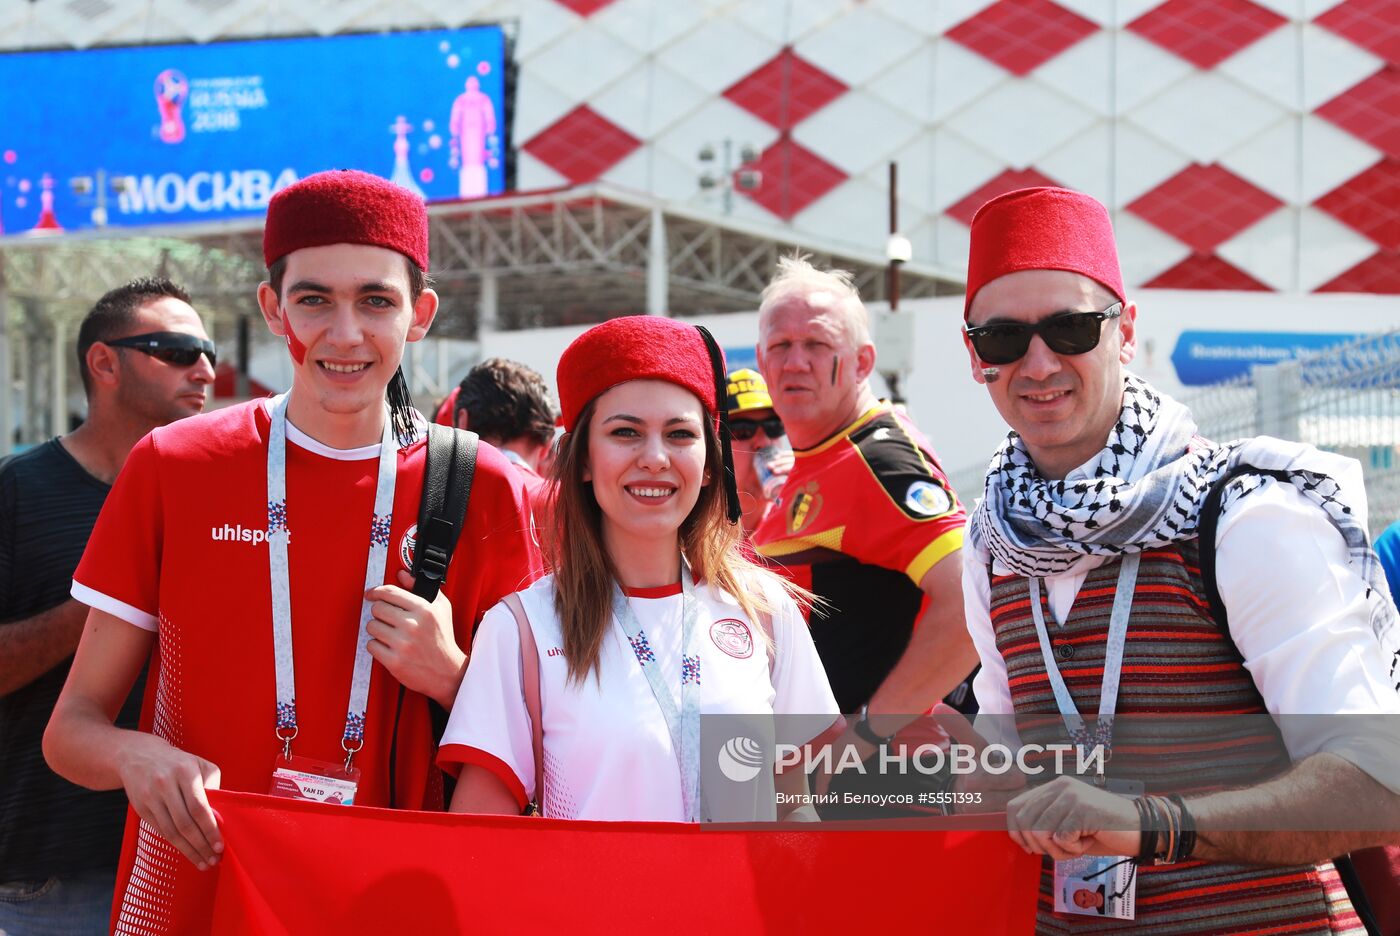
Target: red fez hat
x=648 y=347
x=346 y=206
x=1042 y=229
x=635 y=347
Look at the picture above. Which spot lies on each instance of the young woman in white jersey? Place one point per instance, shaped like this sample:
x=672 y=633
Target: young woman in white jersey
x=654 y=615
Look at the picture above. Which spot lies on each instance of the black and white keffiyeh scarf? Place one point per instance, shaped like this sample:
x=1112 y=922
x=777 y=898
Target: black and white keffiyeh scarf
x=1145 y=489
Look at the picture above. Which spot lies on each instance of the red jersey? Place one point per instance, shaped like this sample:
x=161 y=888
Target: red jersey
x=539 y=491
x=862 y=517
x=180 y=548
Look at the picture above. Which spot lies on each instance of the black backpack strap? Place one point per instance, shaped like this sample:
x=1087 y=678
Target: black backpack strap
x=447 y=488
x=1207 y=527
x=1356 y=890
x=448 y=472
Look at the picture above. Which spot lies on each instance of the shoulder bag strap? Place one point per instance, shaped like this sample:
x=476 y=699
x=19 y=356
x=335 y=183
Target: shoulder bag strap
x=765 y=623
x=1208 y=526
x=530 y=680
x=450 y=465
x=442 y=510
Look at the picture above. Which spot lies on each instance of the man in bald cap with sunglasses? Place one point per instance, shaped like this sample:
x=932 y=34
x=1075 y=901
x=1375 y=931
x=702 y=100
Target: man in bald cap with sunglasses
x=268 y=547
x=1102 y=578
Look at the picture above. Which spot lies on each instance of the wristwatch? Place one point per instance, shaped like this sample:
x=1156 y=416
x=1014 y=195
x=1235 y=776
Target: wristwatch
x=866 y=733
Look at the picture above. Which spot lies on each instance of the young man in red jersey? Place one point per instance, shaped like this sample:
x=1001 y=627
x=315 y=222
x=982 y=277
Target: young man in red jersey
x=263 y=635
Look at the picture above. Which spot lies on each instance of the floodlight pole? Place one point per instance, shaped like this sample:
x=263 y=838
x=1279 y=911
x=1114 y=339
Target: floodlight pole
x=894 y=229
x=245 y=354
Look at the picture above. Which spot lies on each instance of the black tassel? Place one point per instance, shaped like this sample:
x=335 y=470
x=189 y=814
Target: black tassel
x=401 y=410
x=731 y=485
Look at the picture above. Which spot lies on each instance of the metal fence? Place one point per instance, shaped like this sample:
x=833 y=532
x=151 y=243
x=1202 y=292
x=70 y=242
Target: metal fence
x=1345 y=399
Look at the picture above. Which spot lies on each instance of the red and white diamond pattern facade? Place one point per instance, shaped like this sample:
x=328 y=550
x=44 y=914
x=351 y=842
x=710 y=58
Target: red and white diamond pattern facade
x=1241 y=144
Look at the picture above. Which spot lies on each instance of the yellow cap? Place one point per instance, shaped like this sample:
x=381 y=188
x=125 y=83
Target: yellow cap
x=746 y=391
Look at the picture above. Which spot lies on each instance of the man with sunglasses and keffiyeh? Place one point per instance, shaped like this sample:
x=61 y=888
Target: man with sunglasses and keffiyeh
x=145 y=361
x=1099 y=557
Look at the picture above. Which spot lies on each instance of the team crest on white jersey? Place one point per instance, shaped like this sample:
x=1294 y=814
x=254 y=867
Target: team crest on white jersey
x=733 y=637
x=928 y=499
x=406 y=544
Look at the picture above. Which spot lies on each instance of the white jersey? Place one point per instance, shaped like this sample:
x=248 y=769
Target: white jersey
x=607 y=750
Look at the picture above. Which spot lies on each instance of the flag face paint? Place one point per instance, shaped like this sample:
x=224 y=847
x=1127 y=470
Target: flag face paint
x=294 y=344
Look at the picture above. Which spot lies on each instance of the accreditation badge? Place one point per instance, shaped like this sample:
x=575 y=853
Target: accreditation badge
x=1097 y=886
x=321 y=782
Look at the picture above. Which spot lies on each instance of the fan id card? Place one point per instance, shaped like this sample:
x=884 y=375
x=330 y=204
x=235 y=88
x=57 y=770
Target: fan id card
x=306 y=779
x=1097 y=886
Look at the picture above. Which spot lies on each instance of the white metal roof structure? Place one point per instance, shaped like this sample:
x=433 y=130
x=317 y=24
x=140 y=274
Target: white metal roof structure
x=563 y=257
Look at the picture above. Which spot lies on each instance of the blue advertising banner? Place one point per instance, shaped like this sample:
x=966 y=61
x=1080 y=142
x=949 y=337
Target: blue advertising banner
x=739 y=358
x=1208 y=357
x=178 y=133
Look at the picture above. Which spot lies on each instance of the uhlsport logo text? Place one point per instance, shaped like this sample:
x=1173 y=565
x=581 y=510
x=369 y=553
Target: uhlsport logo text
x=238 y=533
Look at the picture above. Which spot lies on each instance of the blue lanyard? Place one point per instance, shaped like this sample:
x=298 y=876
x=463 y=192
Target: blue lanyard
x=1102 y=732
x=682 y=721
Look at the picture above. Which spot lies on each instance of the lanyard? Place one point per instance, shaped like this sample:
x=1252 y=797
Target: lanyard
x=684 y=724
x=1102 y=733
x=278 y=536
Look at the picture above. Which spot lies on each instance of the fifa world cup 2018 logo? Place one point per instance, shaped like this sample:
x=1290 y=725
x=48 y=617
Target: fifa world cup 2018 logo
x=171 y=91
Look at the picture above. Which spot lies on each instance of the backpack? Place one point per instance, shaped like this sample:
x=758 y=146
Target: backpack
x=1378 y=866
x=442 y=509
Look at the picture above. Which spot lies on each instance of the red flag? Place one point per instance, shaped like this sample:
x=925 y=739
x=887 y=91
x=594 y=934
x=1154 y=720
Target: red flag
x=297 y=867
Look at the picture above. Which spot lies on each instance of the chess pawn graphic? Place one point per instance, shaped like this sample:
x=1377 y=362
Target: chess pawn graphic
x=48 y=221
x=171 y=91
x=403 y=174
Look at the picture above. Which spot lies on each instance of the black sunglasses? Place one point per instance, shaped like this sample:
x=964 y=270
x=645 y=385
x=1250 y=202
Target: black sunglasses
x=171 y=347
x=744 y=429
x=1065 y=333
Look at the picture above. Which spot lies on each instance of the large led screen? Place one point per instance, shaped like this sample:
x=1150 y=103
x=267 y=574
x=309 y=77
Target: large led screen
x=178 y=133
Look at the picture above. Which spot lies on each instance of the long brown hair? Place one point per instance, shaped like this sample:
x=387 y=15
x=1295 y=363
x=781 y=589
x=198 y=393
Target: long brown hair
x=584 y=573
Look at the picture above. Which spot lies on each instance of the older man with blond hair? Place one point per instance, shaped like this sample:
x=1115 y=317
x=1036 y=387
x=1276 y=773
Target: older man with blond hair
x=867 y=519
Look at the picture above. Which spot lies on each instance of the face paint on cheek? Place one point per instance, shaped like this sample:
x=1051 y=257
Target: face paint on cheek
x=294 y=344
x=835 y=369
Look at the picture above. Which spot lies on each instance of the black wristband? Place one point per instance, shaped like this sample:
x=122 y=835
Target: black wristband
x=1188 y=829
x=866 y=733
x=1147 y=847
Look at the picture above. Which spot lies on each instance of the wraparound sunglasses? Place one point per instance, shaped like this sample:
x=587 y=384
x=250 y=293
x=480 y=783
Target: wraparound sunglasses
x=176 y=348
x=1065 y=333
x=744 y=429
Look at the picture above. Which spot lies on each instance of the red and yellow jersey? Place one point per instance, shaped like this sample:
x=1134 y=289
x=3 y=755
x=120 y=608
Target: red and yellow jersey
x=862 y=518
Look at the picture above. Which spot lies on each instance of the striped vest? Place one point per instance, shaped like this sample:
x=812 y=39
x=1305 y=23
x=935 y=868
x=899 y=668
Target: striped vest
x=1177 y=661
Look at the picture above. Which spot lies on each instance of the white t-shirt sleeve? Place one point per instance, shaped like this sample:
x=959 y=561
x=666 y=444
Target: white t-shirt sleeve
x=1299 y=617
x=800 y=685
x=990 y=685
x=490 y=725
